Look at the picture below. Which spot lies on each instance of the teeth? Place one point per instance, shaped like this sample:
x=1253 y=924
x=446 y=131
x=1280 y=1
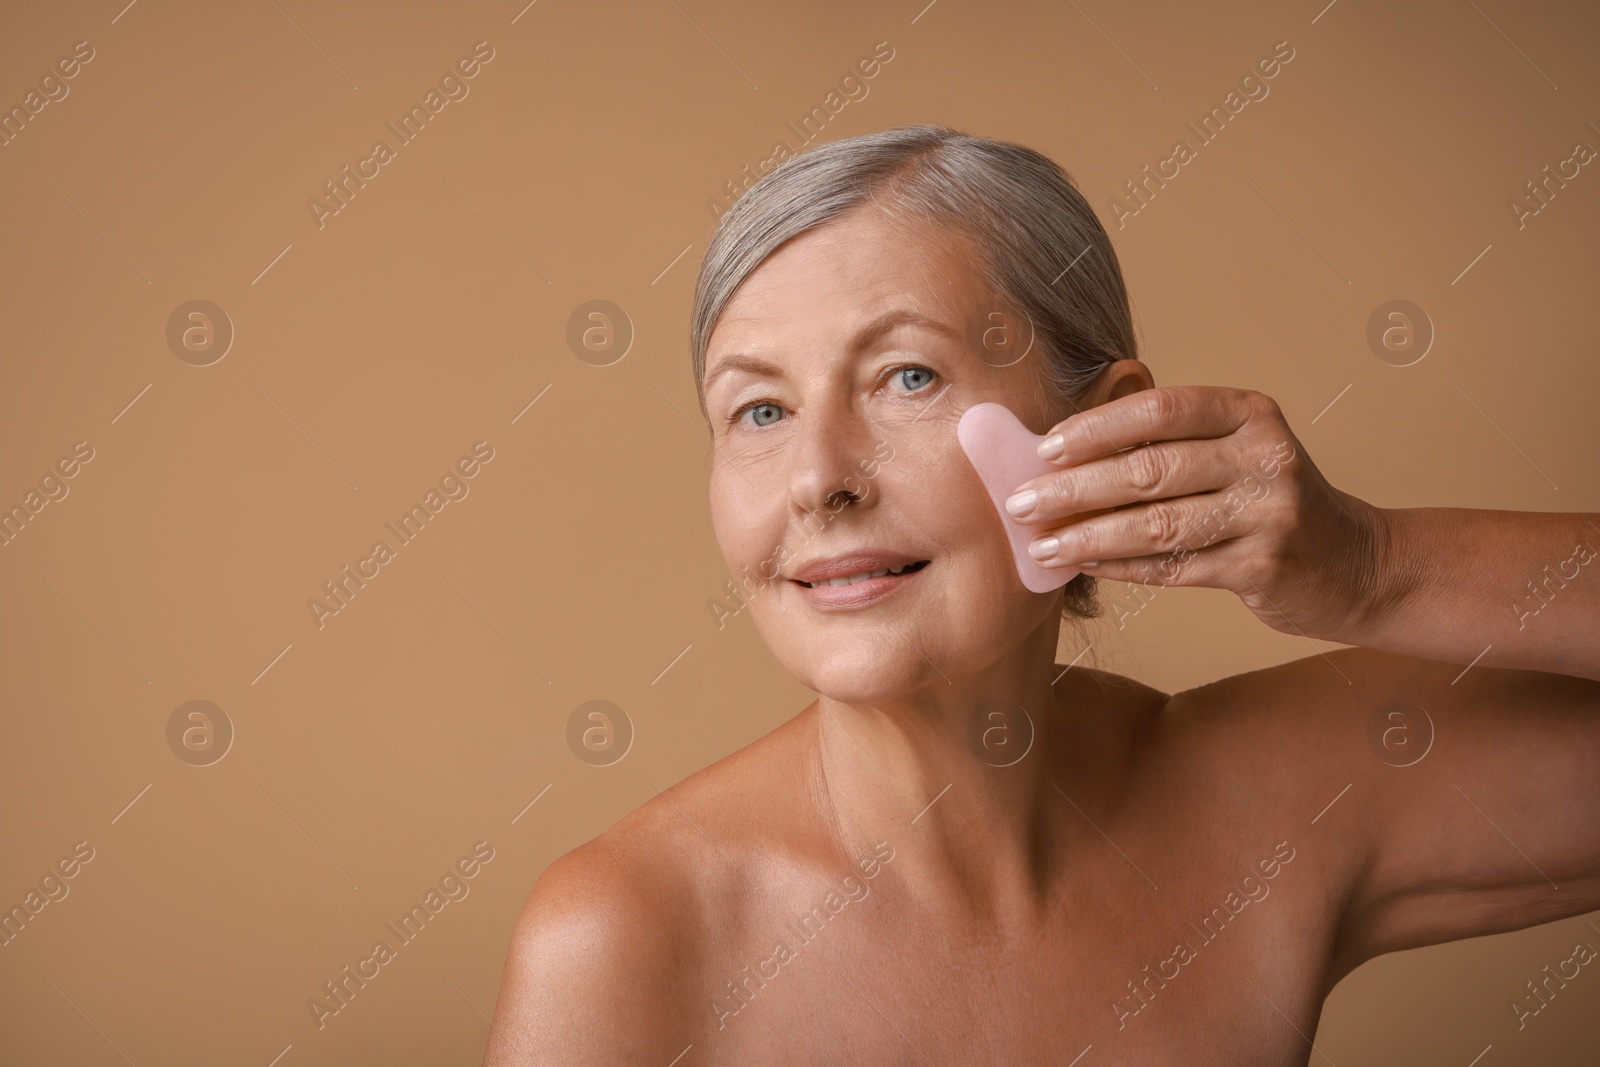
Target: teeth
x=863 y=576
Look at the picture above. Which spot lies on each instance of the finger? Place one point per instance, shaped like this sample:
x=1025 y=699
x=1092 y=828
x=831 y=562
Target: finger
x=1161 y=526
x=1155 y=471
x=1161 y=414
x=1186 y=567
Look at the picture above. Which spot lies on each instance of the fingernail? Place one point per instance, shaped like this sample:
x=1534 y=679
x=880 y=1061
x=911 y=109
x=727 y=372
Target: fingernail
x=1042 y=550
x=1052 y=446
x=1022 y=503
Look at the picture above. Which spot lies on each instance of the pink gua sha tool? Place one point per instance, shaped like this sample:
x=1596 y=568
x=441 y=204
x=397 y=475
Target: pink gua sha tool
x=1005 y=454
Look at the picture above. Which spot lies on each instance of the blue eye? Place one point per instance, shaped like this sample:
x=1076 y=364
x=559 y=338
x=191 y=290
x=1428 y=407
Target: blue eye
x=758 y=408
x=768 y=413
x=922 y=373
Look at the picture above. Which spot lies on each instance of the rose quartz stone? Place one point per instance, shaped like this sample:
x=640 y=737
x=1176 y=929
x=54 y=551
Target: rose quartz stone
x=1005 y=454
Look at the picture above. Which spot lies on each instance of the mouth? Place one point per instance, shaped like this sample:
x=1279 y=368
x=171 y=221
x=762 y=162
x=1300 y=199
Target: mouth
x=864 y=576
x=857 y=589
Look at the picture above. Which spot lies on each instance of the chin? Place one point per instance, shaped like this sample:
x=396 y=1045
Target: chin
x=859 y=690
x=858 y=671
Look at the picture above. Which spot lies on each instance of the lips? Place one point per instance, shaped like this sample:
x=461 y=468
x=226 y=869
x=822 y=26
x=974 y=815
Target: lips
x=856 y=582
x=855 y=568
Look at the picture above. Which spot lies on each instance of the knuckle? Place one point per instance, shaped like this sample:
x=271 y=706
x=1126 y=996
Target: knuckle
x=1263 y=406
x=1165 y=405
x=1147 y=471
x=1088 y=541
x=1162 y=524
x=1055 y=494
x=1274 y=569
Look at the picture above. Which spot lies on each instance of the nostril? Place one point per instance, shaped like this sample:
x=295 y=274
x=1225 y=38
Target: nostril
x=844 y=495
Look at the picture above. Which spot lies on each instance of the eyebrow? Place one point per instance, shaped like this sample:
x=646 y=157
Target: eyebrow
x=869 y=333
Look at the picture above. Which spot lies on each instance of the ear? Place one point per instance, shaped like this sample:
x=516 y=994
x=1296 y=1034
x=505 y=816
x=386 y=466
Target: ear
x=1118 y=379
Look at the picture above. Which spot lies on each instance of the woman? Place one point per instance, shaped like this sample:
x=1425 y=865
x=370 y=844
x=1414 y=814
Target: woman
x=964 y=853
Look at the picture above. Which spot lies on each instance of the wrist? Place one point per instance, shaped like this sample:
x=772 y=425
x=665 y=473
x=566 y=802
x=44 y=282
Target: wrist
x=1383 y=571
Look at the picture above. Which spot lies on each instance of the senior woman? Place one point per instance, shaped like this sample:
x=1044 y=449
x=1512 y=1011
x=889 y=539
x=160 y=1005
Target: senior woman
x=962 y=852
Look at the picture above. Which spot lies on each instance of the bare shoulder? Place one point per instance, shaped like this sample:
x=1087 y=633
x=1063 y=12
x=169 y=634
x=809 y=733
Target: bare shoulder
x=1441 y=801
x=615 y=933
x=1333 y=714
x=595 y=945
x=1285 y=738
x=1384 y=767
x=1127 y=706
x=1311 y=699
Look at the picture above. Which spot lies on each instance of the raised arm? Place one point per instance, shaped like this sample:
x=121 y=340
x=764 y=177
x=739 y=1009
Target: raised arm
x=1494 y=588
x=1207 y=485
x=1465 y=804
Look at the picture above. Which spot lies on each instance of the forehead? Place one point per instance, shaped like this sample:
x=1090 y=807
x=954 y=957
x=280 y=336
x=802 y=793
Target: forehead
x=843 y=273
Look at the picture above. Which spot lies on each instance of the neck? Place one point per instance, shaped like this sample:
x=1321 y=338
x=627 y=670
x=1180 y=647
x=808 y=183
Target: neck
x=963 y=778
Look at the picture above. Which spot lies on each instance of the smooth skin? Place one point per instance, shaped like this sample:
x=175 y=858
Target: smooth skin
x=962 y=912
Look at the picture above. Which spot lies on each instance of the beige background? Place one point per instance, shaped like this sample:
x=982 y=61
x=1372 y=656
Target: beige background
x=372 y=352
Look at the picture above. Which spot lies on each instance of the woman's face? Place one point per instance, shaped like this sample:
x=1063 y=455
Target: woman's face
x=843 y=364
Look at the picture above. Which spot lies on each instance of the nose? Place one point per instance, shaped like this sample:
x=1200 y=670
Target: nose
x=825 y=464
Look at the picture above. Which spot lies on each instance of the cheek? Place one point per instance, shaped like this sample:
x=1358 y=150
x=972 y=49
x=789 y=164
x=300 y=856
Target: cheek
x=936 y=488
x=743 y=522
x=943 y=495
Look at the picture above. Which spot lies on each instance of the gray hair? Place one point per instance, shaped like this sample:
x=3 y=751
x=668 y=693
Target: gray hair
x=1038 y=244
